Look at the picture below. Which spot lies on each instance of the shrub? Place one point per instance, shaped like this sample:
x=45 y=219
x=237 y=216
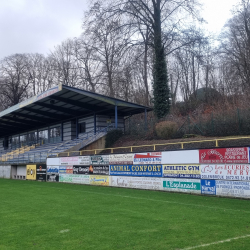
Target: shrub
x=112 y=136
x=166 y=129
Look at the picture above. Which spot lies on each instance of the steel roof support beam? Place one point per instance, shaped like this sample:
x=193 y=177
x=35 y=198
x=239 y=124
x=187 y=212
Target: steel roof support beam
x=11 y=124
x=47 y=114
x=78 y=104
x=25 y=122
x=57 y=108
x=31 y=117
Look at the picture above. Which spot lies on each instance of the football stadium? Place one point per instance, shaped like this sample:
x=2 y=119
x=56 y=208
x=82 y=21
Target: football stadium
x=182 y=199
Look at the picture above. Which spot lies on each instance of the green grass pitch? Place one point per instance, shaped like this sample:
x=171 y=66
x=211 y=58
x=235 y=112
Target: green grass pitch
x=40 y=215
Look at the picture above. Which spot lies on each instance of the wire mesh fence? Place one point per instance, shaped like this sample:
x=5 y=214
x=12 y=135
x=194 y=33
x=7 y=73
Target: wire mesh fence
x=228 y=123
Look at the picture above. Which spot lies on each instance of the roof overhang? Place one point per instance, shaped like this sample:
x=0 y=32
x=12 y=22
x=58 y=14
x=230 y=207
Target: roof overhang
x=61 y=103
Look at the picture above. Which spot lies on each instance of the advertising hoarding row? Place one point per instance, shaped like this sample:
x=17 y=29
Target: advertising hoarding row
x=69 y=174
x=171 y=157
x=233 y=172
x=203 y=156
x=220 y=171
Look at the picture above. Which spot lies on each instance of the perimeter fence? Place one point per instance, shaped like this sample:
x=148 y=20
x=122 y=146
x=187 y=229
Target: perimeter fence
x=228 y=123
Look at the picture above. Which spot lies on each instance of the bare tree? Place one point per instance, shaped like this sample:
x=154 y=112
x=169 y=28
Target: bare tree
x=64 y=64
x=15 y=78
x=161 y=19
x=235 y=49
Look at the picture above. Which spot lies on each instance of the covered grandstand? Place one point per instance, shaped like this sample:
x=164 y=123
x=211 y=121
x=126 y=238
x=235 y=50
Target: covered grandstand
x=57 y=120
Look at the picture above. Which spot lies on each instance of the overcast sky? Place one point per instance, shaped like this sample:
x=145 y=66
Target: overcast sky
x=37 y=26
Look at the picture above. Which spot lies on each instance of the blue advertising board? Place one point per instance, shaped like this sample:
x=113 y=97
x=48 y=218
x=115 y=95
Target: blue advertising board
x=208 y=187
x=52 y=169
x=152 y=170
x=62 y=170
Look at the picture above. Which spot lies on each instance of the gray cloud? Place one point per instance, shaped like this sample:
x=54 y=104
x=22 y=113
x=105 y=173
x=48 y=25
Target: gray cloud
x=36 y=26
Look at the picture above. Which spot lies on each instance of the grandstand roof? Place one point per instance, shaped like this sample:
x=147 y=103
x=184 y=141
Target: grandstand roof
x=58 y=104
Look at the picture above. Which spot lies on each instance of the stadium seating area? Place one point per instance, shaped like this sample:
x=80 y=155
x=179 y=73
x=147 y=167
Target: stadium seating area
x=39 y=153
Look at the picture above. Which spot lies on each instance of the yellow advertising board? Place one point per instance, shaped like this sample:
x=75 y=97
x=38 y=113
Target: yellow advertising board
x=182 y=171
x=31 y=172
x=101 y=180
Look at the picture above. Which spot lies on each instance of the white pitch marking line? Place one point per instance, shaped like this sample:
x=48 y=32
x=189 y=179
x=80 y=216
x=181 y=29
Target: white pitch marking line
x=217 y=242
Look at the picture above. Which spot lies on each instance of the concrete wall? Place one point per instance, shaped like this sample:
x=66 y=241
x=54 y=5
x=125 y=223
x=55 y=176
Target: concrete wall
x=5 y=171
x=99 y=144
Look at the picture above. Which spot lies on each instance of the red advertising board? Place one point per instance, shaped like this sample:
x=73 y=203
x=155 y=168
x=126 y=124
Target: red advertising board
x=223 y=155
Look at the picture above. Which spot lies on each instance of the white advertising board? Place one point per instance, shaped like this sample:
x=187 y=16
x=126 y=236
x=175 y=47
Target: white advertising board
x=233 y=188
x=181 y=185
x=69 y=161
x=237 y=172
x=84 y=160
x=121 y=159
x=53 y=161
x=180 y=157
x=136 y=182
x=99 y=160
x=147 y=158
x=74 y=178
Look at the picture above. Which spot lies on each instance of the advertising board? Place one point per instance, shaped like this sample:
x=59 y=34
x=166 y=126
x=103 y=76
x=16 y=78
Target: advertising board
x=31 y=172
x=208 y=187
x=136 y=182
x=136 y=170
x=224 y=155
x=99 y=160
x=101 y=180
x=121 y=159
x=182 y=171
x=226 y=172
x=53 y=173
x=70 y=161
x=74 y=178
x=233 y=188
x=98 y=169
x=181 y=185
x=83 y=160
x=180 y=157
x=65 y=169
x=41 y=172
x=147 y=158
x=53 y=161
